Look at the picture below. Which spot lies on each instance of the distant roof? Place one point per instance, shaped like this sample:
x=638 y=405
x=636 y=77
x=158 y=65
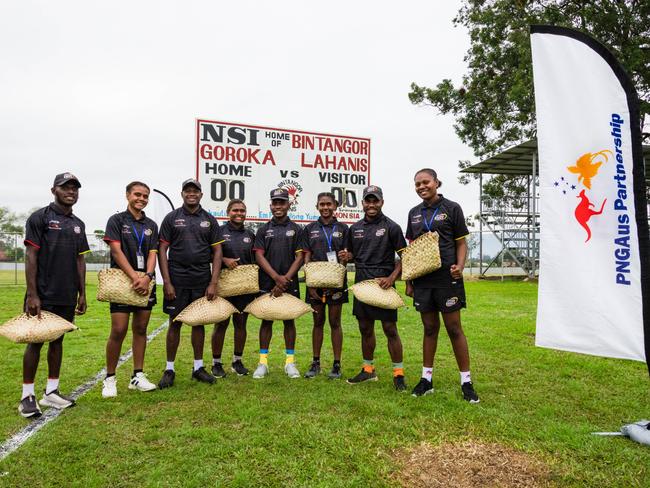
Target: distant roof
x=518 y=160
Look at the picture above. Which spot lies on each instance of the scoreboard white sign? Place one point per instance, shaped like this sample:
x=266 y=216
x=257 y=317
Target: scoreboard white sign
x=247 y=162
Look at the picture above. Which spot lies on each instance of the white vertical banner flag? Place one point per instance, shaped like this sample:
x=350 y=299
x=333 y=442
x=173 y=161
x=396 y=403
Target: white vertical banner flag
x=594 y=255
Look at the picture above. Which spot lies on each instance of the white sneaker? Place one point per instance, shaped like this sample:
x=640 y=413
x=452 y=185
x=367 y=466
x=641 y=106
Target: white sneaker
x=56 y=400
x=109 y=389
x=261 y=371
x=291 y=370
x=141 y=382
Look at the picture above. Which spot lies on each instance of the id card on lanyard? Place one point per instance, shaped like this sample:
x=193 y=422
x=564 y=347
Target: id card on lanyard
x=139 y=255
x=331 y=254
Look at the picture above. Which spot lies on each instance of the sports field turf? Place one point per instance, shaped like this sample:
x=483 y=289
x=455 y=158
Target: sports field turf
x=281 y=432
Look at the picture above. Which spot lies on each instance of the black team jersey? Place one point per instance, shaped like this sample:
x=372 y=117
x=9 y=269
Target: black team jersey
x=191 y=237
x=59 y=239
x=237 y=242
x=133 y=236
x=280 y=242
x=374 y=244
x=446 y=218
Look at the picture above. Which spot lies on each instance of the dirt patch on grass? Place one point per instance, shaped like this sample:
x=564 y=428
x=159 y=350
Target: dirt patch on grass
x=469 y=464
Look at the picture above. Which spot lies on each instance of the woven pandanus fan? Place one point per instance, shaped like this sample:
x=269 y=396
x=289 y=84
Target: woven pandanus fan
x=242 y=280
x=115 y=287
x=31 y=329
x=284 y=307
x=369 y=292
x=323 y=274
x=421 y=257
x=204 y=311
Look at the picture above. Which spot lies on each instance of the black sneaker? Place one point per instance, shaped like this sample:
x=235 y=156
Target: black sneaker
x=335 y=373
x=424 y=387
x=362 y=376
x=167 y=379
x=203 y=376
x=239 y=368
x=217 y=370
x=28 y=407
x=399 y=383
x=314 y=370
x=468 y=392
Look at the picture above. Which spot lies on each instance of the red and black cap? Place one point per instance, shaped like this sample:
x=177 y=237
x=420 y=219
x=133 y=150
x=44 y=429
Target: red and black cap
x=63 y=178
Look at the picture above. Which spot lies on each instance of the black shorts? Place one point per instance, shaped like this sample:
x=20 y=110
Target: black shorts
x=364 y=311
x=332 y=296
x=240 y=302
x=64 y=311
x=444 y=300
x=122 y=308
x=184 y=296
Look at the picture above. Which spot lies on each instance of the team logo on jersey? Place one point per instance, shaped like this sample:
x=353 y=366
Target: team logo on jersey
x=126 y=229
x=205 y=224
x=416 y=219
x=337 y=234
x=358 y=234
x=451 y=302
x=54 y=225
x=246 y=239
x=314 y=234
x=179 y=223
x=77 y=229
x=148 y=232
x=440 y=217
x=291 y=233
x=380 y=232
x=269 y=233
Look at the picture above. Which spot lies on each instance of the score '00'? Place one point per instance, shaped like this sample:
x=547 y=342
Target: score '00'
x=226 y=190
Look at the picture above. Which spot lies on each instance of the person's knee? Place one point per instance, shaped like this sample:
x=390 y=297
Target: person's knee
x=367 y=330
x=335 y=324
x=117 y=334
x=454 y=330
x=430 y=329
x=391 y=331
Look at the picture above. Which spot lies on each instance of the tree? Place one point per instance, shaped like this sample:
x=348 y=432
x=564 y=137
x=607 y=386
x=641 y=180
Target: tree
x=11 y=229
x=494 y=105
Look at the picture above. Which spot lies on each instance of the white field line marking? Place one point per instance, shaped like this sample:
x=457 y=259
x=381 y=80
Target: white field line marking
x=20 y=437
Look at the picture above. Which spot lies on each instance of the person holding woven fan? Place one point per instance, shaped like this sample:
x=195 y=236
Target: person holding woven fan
x=278 y=252
x=373 y=242
x=440 y=292
x=133 y=241
x=326 y=240
x=191 y=235
x=55 y=272
x=237 y=245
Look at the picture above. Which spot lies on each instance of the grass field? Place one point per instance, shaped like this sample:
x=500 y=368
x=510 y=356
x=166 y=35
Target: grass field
x=281 y=432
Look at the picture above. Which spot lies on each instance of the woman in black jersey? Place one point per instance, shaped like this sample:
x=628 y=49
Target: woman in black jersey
x=237 y=245
x=441 y=292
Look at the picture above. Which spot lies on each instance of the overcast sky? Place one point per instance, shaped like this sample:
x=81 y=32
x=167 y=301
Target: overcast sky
x=111 y=91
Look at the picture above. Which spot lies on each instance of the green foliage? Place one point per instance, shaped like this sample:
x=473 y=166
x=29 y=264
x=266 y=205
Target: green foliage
x=494 y=106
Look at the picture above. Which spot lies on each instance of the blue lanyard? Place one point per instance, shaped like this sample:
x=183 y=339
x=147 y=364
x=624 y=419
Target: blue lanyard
x=139 y=238
x=427 y=224
x=328 y=238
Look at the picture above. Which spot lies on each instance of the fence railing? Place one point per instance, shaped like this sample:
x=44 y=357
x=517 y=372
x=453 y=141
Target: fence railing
x=12 y=256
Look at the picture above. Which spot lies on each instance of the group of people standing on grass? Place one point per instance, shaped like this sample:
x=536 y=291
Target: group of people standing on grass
x=191 y=248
